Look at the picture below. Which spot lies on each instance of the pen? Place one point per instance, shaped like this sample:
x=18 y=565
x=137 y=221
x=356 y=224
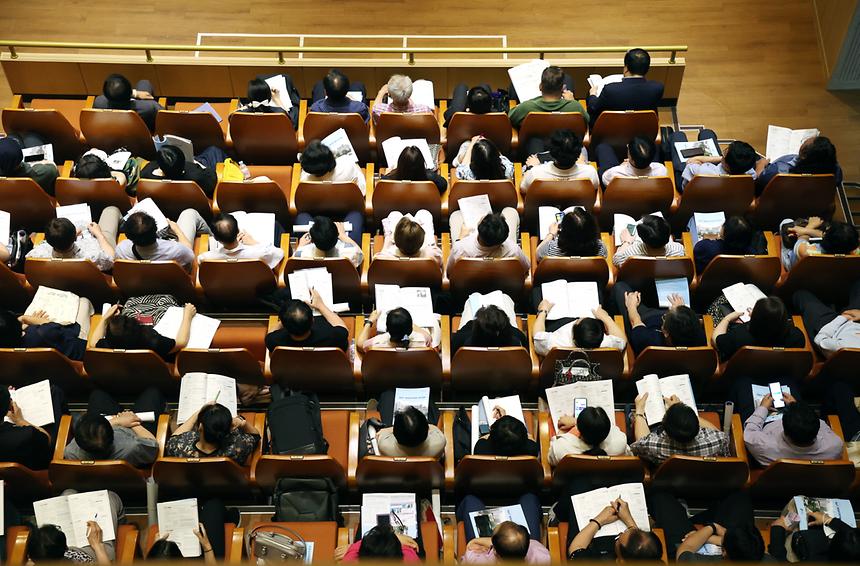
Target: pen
x=216 y=396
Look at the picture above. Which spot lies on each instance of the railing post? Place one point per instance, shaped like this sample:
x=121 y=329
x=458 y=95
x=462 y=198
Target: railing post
x=13 y=52
x=540 y=55
x=148 y=55
x=281 y=60
x=411 y=58
x=672 y=57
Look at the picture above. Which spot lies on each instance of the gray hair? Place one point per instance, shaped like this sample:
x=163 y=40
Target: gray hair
x=400 y=88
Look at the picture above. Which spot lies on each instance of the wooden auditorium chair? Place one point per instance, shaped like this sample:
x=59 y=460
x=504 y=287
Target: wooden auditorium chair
x=732 y=194
x=201 y=128
x=619 y=127
x=495 y=126
x=596 y=268
x=233 y=542
x=502 y=193
x=407 y=197
x=543 y=124
x=318 y=125
x=270 y=196
x=263 y=139
x=238 y=350
x=79 y=276
x=17 y=537
x=97 y=193
x=173 y=197
x=560 y=194
x=828 y=277
x=110 y=130
x=135 y=278
x=793 y=196
x=636 y=197
x=401 y=271
x=14 y=289
x=421 y=125
x=25 y=366
x=50 y=125
x=29 y=207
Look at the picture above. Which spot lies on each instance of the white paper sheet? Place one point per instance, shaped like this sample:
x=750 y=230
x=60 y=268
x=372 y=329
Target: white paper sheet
x=78 y=214
x=422 y=93
x=548 y=215
x=148 y=206
x=418 y=397
x=660 y=388
x=2 y=511
x=302 y=281
x=55 y=511
x=526 y=78
x=393 y=147
x=601 y=82
x=399 y=507
x=117 y=160
x=708 y=147
x=785 y=141
x=71 y=513
x=206 y=107
x=624 y=223
x=198 y=388
x=499 y=407
x=483 y=522
x=302 y=228
x=279 y=83
x=60 y=306
x=38 y=153
x=671 y=286
x=180 y=520
x=588 y=505
x=743 y=297
x=5 y=223
x=474 y=209
x=597 y=393
x=339 y=144
x=259 y=225
x=184 y=144
x=355 y=95
x=203 y=328
x=35 y=403
x=572 y=299
x=417 y=300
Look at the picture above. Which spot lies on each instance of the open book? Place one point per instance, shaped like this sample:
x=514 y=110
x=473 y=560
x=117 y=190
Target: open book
x=203 y=328
x=418 y=397
x=588 y=505
x=660 y=388
x=416 y=300
x=743 y=297
x=758 y=393
x=496 y=298
x=78 y=214
x=35 y=403
x=488 y=411
x=626 y=224
x=206 y=107
x=672 y=286
x=339 y=144
x=178 y=520
x=279 y=83
x=548 y=215
x=397 y=510
x=393 y=147
x=258 y=225
x=71 y=512
x=526 y=78
x=706 y=148
x=183 y=144
x=422 y=93
x=60 y=306
x=302 y=281
x=785 y=141
x=571 y=299
x=705 y=224
x=486 y=520
x=43 y=152
x=198 y=388
x=148 y=206
x=5 y=226
x=837 y=508
x=474 y=209
x=600 y=82
x=561 y=399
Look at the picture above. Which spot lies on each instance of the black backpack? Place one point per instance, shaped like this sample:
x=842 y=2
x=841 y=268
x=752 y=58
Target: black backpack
x=305 y=499
x=20 y=245
x=295 y=425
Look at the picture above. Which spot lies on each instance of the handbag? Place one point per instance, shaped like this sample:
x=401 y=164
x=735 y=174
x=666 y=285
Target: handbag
x=268 y=546
x=575 y=367
x=20 y=245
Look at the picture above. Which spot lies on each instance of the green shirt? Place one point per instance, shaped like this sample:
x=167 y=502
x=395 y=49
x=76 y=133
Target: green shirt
x=519 y=112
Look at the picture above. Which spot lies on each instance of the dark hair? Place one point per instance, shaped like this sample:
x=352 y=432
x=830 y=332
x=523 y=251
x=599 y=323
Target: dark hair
x=259 y=90
x=216 y=422
x=737 y=235
x=46 y=543
x=5 y=401
x=479 y=100
x=317 y=159
x=92 y=167
x=511 y=541
x=493 y=230
x=845 y=546
x=336 y=85
x=508 y=436
x=552 y=80
x=743 y=543
x=770 y=322
x=164 y=549
x=411 y=427
x=637 y=61
x=380 y=542
x=486 y=163
x=141 y=229
x=323 y=233
x=593 y=425
x=94 y=434
x=60 y=233
x=800 y=423
x=565 y=146
x=654 y=231
x=398 y=322
x=578 y=234
x=491 y=328
x=815 y=157
x=641 y=150
x=839 y=238
x=410 y=165
x=171 y=161
x=409 y=236
x=225 y=228
x=117 y=89
x=297 y=317
x=641 y=546
x=682 y=325
x=740 y=157
x=10 y=332
x=126 y=333
x=681 y=423
x=588 y=333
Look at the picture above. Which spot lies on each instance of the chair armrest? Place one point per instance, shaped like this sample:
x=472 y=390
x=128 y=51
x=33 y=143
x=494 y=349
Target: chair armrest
x=687 y=239
x=161 y=433
x=609 y=243
x=553 y=544
x=62 y=436
x=449 y=543
x=448 y=430
x=368 y=193
x=303 y=114
x=446 y=253
x=773 y=244
x=445 y=348
x=294 y=183
x=237 y=545
x=798 y=322
x=358 y=326
x=543 y=439
x=66 y=168
x=676 y=196
x=365 y=265
x=352 y=455
x=281 y=268
x=259 y=421
x=127 y=539
x=343 y=536
x=708 y=324
x=17 y=101
x=737 y=438
x=21 y=535
x=524 y=245
x=530 y=326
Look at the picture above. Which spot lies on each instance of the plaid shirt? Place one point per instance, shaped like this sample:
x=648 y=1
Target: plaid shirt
x=657 y=446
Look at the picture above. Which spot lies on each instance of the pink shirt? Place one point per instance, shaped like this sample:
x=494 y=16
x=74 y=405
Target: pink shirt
x=409 y=554
x=387 y=107
x=537 y=554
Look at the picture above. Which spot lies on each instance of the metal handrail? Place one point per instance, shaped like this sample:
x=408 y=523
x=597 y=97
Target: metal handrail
x=12 y=45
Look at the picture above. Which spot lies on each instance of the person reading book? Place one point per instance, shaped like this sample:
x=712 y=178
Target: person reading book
x=401 y=333
x=508 y=437
x=117 y=331
x=490 y=328
x=632 y=92
x=789 y=544
x=64 y=241
x=677 y=326
x=495 y=237
x=585 y=332
x=592 y=433
x=830 y=330
x=405 y=237
x=209 y=532
x=737 y=237
x=143 y=242
x=565 y=149
x=577 y=235
x=556 y=96
x=378 y=544
x=38 y=331
x=22 y=442
x=170 y=164
x=475 y=100
x=634 y=544
x=213 y=432
x=118 y=94
x=94 y=165
x=480 y=160
x=833 y=238
x=770 y=325
x=509 y=540
x=327 y=238
x=640 y=162
x=817 y=156
x=331 y=95
x=265 y=99
x=236 y=244
x=652 y=239
x=410 y=166
x=12 y=164
x=298 y=327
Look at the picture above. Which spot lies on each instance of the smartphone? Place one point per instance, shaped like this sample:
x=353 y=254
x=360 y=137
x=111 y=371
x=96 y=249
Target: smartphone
x=776 y=393
x=692 y=152
x=559 y=216
x=483 y=429
x=579 y=404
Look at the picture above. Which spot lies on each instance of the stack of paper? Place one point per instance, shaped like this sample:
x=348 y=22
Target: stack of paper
x=60 y=306
x=785 y=141
x=672 y=286
x=398 y=510
x=705 y=224
x=393 y=147
x=318 y=278
x=743 y=297
x=418 y=397
x=279 y=83
x=149 y=207
x=574 y=299
x=588 y=505
x=422 y=93
x=339 y=144
x=72 y=512
x=596 y=393
x=416 y=300
x=708 y=147
x=203 y=328
x=35 y=403
x=485 y=521
x=660 y=388
x=548 y=215
x=78 y=214
x=198 y=388
x=474 y=209
x=178 y=520
x=526 y=78
x=259 y=225
x=496 y=298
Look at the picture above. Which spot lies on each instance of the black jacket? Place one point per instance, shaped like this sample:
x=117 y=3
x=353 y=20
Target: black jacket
x=632 y=93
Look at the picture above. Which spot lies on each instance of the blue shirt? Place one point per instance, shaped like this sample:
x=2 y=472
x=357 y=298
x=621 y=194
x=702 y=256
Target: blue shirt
x=346 y=107
x=784 y=164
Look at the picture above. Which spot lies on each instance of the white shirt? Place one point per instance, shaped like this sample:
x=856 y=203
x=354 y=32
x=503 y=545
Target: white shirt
x=341 y=249
x=345 y=171
x=161 y=250
x=270 y=254
x=416 y=339
x=549 y=172
x=563 y=338
x=626 y=169
x=566 y=443
x=693 y=169
x=83 y=248
x=637 y=248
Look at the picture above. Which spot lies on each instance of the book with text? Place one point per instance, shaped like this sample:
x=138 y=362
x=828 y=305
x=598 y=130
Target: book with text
x=588 y=505
x=78 y=214
x=660 y=388
x=596 y=393
x=624 y=224
x=184 y=144
x=416 y=300
x=485 y=521
x=495 y=298
x=743 y=297
x=785 y=141
x=60 y=306
x=259 y=225
x=708 y=147
x=318 y=278
x=418 y=397
x=837 y=508
x=35 y=403
x=178 y=520
x=705 y=225
x=571 y=299
x=72 y=512
x=198 y=388
x=601 y=82
x=397 y=510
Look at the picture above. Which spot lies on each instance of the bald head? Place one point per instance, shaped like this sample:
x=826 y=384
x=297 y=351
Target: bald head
x=511 y=541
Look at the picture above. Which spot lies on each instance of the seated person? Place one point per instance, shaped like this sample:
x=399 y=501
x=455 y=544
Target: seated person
x=814 y=545
x=653 y=239
x=143 y=241
x=682 y=432
x=263 y=99
x=490 y=328
x=332 y=95
x=740 y=159
x=22 y=442
x=411 y=435
x=400 y=333
x=299 y=328
x=12 y=164
x=836 y=238
x=633 y=92
x=679 y=326
x=639 y=163
x=509 y=541
x=409 y=236
x=556 y=96
x=329 y=239
x=412 y=167
x=379 y=544
x=117 y=94
x=586 y=332
x=127 y=333
x=592 y=433
x=94 y=164
x=839 y=400
x=170 y=164
x=164 y=549
x=480 y=160
x=495 y=237
x=475 y=100
x=120 y=437
x=213 y=432
x=37 y=331
x=239 y=245
x=816 y=156
x=565 y=149
x=508 y=437
x=576 y=236
x=770 y=326
x=737 y=237
x=395 y=97
x=63 y=241
x=798 y=434
x=829 y=330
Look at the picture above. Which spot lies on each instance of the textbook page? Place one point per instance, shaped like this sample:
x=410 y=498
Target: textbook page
x=302 y=281
x=55 y=511
x=474 y=209
x=495 y=298
x=148 y=206
x=180 y=520
x=222 y=389
x=38 y=153
x=502 y=406
x=206 y=107
x=601 y=82
x=418 y=397
x=5 y=223
x=60 y=306
x=743 y=297
x=837 y=508
x=78 y=214
x=526 y=78
x=203 y=328
x=279 y=83
x=91 y=506
x=589 y=504
x=486 y=520
x=672 y=286
x=785 y=141
x=259 y=225
x=679 y=385
x=654 y=406
x=703 y=224
x=395 y=509
x=623 y=223
x=416 y=300
x=758 y=393
x=570 y=299
x=198 y=388
x=422 y=93
x=708 y=147
x=35 y=403
x=597 y=394
x=339 y=144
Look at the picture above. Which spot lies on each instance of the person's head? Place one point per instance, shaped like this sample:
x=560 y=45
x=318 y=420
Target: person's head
x=845 y=546
x=800 y=423
x=770 y=322
x=10 y=332
x=323 y=233
x=60 y=233
x=636 y=545
x=816 y=156
x=400 y=89
x=587 y=333
x=737 y=235
x=141 y=229
x=91 y=166
x=94 y=434
x=410 y=427
x=117 y=89
x=681 y=327
x=681 y=423
x=839 y=238
x=398 y=323
x=493 y=230
x=214 y=423
x=225 y=228
x=637 y=61
x=593 y=425
x=743 y=543
x=317 y=159
x=640 y=150
x=654 y=231
x=552 y=81
x=259 y=90
x=578 y=234
x=508 y=436
x=46 y=543
x=11 y=156
x=336 y=85
x=410 y=165
x=380 y=542
x=740 y=157
x=510 y=541
x=486 y=161
x=125 y=332
x=164 y=549
x=171 y=161
x=409 y=237
x=479 y=100
x=491 y=327
x=297 y=318
x=565 y=146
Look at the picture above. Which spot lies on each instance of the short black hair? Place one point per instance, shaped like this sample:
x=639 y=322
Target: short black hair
x=578 y=234
x=92 y=167
x=46 y=543
x=770 y=322
x=641 y=150
x=800 y=423
x=409 y=236
x=225 y=228
x=588 y=333
x=398 y=323
x=743 y=543
x=740 y=157
x=171 y=161
x=637 y=61
x=60 y=233
x=565 y=147
x=5 y=401
x=737 y=235
x=297 y=317
x=259 y=90
x=336 y=85
x=217 y=422
x=94 y=434
x=411 y=427
x=479 y=100
x=380 y=542
x=508 y=436
x=117 y=89
x=486 y=164
x=682 y=325
x=493 y=230
x=511 y=541
x=317 y=159
x=491 y=328
x=816 y=157
x=164 y=549
x=845 y=546
x=593 y=425
x=552 y=80
x=839 y=238
x=10 y=331
x=127 y=333
x=324 y=233
x=654 y=231
x=141 y=229
x=641 y=546
x=681 y=423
